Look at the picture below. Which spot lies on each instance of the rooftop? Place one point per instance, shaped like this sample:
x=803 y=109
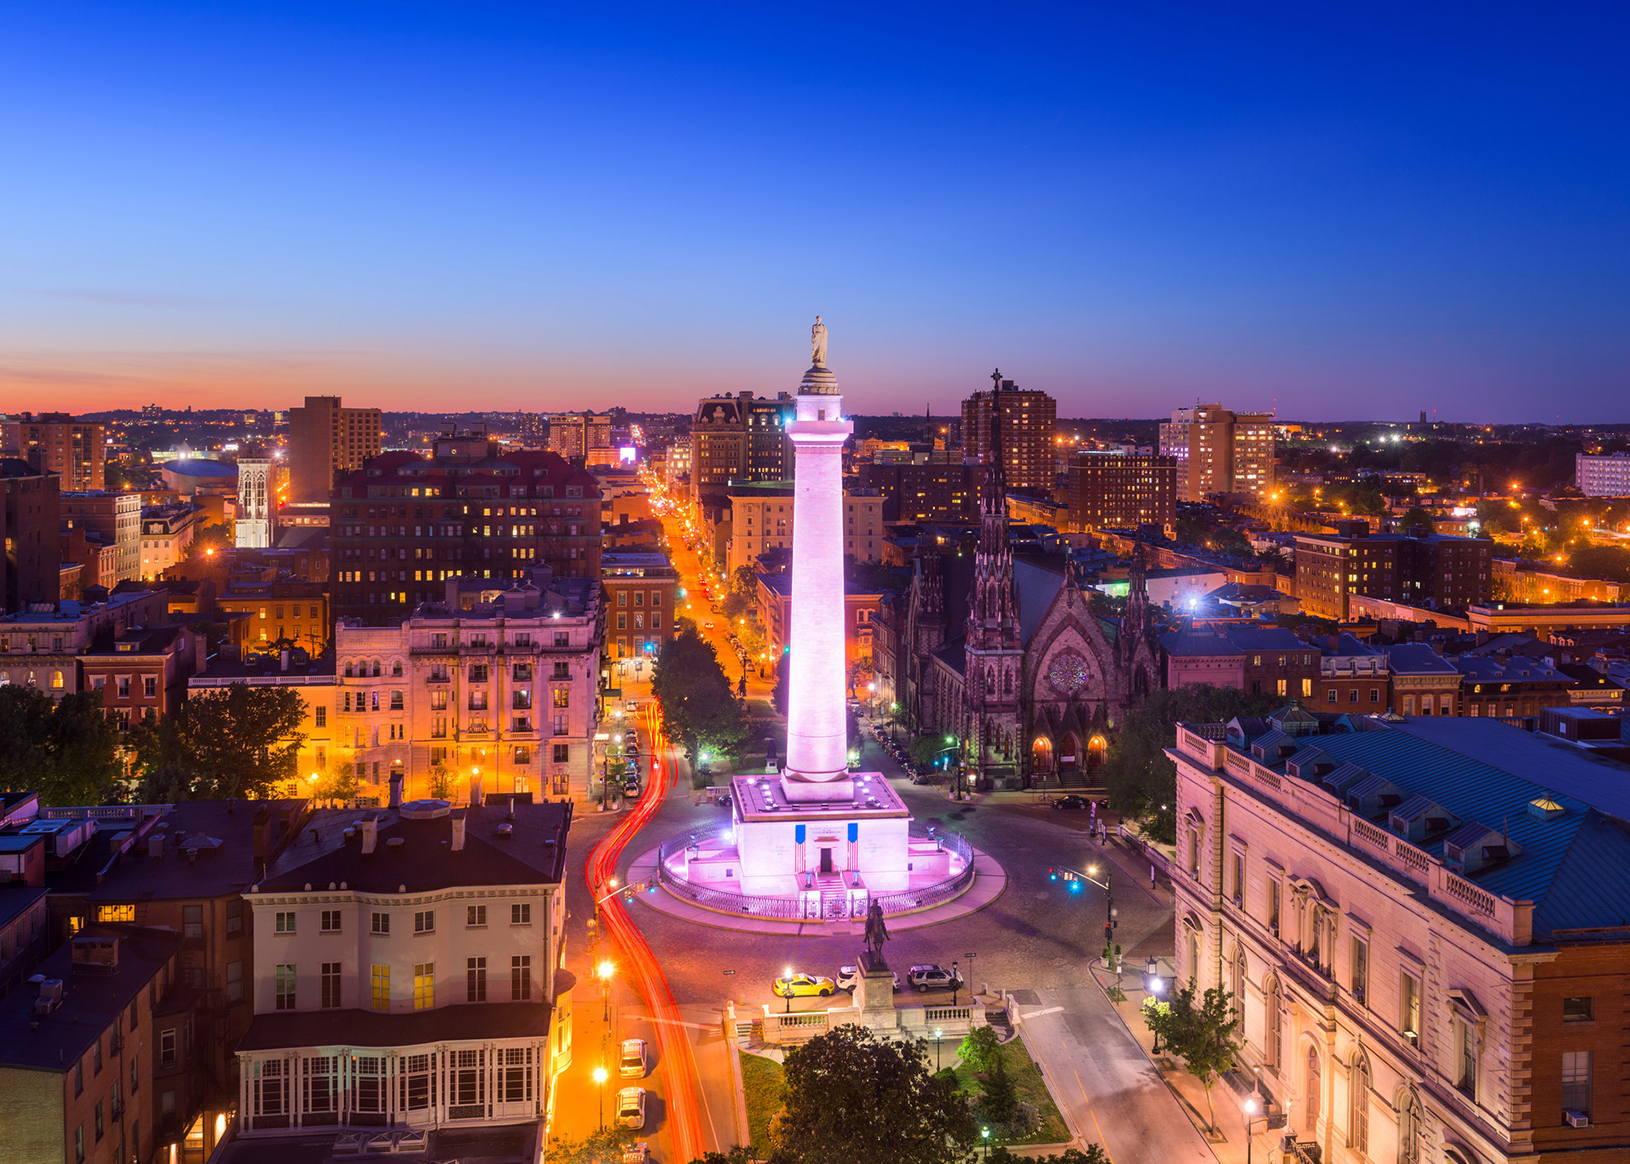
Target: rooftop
x=222 y=832
x=414 y=853
x=92 y=999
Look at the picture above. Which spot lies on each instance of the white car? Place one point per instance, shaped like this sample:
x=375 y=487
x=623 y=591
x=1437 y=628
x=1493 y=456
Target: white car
x=632 y=1062
x=636 y=1153
x=631 y=1107
x=849 y=978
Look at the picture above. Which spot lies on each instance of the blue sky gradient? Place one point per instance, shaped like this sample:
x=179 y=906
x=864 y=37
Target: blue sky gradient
x=1343 y=209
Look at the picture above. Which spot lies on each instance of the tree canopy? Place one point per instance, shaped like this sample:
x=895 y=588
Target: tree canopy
x=853 y=1098
x=1201 y=1031
x=238 y=742
x=67 y=751
x=699 y=706
x=1138 y=774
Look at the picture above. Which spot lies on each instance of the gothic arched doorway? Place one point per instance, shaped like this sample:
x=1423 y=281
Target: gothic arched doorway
x=1041 y=756
x=1069 y=753
x=1097 y=747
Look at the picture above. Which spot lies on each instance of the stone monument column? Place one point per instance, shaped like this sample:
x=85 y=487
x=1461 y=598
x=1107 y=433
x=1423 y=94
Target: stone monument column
x=817 y=741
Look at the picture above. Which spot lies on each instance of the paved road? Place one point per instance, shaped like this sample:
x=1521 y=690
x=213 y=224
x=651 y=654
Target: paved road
x=1036 y=938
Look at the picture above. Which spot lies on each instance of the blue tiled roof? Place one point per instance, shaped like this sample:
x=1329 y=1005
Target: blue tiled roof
x=1575 y=867
x=1416 y=659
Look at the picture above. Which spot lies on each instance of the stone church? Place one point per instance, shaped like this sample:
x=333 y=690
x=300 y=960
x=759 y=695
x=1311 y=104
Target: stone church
x=1007 y=655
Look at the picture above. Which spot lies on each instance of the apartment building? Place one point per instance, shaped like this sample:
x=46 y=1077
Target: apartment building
x=54 y=442
x=1411 y=919
x=500 y=679
x=641 y=588
x=1118 y=491
x=114 y=519
x=406 y=524
x=1220 y=452
x=923 y=492
x=326 y=439
x=760 y=519
x=1027 y=423
x=78 y=1051
x=582 y=438
x=863 y=531
x=315 y=682
x=1353 y=678
x=42 y=647
x=142 y=673
x=167 y=533
x=741 y=438
x=1602 y=476
x=1434 y=571
x=29 y=532
x=283 y=612
x=406 y=973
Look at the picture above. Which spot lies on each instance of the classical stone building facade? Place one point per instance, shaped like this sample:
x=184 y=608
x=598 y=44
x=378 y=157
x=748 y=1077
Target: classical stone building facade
x=1421 y=924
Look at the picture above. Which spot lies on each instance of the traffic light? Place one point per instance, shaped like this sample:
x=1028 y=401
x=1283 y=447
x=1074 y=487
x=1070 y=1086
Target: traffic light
x=1052 y=874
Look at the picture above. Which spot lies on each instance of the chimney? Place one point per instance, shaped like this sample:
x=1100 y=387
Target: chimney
x=200 y=657
x=396 y=789
x=283 y=659
x=263 y=831
x=370 y=833
x=475 y=791
x=458 y=832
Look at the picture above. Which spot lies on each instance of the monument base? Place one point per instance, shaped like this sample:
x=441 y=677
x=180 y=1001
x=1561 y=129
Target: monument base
x=874 y=993
x=797 y=791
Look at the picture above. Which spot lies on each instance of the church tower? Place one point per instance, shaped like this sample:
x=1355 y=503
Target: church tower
x=994 y=656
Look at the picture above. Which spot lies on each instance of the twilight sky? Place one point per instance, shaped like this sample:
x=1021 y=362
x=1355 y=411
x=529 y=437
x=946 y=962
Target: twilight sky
x=1346 y=209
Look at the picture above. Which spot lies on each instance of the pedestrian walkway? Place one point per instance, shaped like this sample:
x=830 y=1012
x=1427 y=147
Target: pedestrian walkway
x=1228 y=1145
x=989 y=883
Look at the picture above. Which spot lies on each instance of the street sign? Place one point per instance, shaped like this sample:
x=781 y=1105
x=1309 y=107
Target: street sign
x=728 y=973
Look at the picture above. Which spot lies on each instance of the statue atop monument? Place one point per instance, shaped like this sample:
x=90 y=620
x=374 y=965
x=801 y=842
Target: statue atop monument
x=817 y=341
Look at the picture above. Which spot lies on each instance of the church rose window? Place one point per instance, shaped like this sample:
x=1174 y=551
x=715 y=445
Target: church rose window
x=1067 y=673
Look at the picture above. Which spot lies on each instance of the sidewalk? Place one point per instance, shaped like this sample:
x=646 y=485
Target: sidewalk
x=1230 y=1148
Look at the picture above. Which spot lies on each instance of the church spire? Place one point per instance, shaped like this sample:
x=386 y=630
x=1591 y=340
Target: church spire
x=994 y=603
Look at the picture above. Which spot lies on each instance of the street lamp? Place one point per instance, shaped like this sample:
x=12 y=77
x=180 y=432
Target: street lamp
x=956 y=981
x=1250 y=1105
x=600 y=1077
x=984 y=1134
x=786 y=976
x=939 y=1033
x=1110 y=913
x=604 y=972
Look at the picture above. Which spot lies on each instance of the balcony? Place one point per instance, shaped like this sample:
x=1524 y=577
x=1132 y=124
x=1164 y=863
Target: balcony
x=520 y=701
x=521 y=724
x=478 y=702
x=437 y=677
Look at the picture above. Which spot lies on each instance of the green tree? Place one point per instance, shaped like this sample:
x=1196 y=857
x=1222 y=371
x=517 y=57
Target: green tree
x=216 y=536
x=736 y=1155
x=238 y=742
x=1415 y=518
x=745 y=583
x=1203 y=1034
x=979 y=1048
x=66 y=750
x=853 y=1098
x=600 y=1147
x=699 y=707
x=783 y=676
x=1139 y=776
x=1091 y=1154
x=1000 y=1101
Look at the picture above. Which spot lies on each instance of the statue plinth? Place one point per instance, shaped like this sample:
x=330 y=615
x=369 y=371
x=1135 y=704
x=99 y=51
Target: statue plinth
x=874 y=992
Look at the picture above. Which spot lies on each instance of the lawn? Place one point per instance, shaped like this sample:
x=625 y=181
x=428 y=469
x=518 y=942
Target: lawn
x=1031 y=1088
x=761 y=1080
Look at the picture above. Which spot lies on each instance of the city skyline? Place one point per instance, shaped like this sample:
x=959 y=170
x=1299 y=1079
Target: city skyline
x=1330 y=214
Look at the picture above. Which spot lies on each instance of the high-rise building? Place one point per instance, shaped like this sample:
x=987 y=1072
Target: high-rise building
x=1435 y=571
x=1602 y=476
x=404 y=524
x=29 y=531
x=1112 y=490
x=1219 y=451
x=926 y=491
x=1027 y=423
x=114 y=519
x=55 y=442
x=741 y=438
x=326 y=439
x=582 y=438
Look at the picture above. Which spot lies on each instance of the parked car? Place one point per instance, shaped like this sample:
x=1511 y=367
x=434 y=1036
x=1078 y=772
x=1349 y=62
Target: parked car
x=632 y=1062
x=849 y=977
x=926 y=978
x=800 y=985
x=631 y=788
x=637 y=1153
x=631 y=1107
x=707 y=626
x=1071 y=802
x=723 y=801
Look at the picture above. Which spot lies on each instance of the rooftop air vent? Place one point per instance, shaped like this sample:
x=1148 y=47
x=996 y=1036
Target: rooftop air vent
x=1545 y=808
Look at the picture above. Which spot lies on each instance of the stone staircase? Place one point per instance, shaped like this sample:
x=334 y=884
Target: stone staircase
x=834 y=896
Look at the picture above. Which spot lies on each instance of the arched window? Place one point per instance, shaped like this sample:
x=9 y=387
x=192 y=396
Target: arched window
x=1313 y=1091
x=5 y=678
x=1409 y=1129
x=1358 y=1105
x=56 y=680
x=1193 y=956
x=1270 y=1023
x=1236 y=981
x=1007 y=686
x=350 y=670
x=376 y=668
x=396 y=668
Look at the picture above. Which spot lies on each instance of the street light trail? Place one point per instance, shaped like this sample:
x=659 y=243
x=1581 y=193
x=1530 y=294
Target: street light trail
x=644 y=970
